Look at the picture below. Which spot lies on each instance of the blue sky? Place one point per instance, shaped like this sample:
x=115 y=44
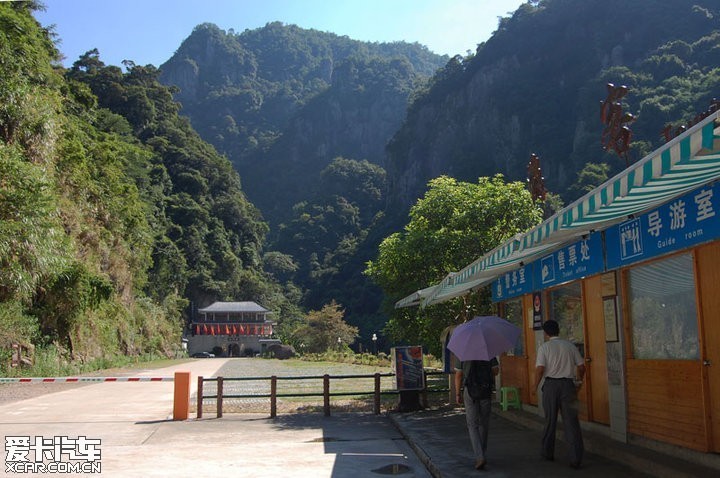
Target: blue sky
x=149 y=31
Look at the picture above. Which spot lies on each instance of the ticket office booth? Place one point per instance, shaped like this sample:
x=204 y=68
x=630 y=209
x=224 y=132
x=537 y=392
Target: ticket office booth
x=577 y=307
x=641 y=301
x=567 y=285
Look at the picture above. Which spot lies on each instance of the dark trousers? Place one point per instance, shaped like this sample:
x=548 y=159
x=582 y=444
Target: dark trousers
x=560 y=395
x=477 y=418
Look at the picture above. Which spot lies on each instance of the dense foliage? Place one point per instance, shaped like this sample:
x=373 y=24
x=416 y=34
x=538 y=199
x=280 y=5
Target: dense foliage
x=207 y=235
x=115 y=215
x=116 y=218
x=282 y=102
x=330 y=237
x=323 y=330
x=75 y=233
x=452 y=224
x=536 y=84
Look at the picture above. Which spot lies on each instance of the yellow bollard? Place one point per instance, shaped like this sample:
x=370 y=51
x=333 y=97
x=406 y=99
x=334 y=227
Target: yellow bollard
x=181 y=402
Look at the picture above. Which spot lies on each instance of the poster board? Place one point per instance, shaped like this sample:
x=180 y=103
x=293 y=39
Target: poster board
x=610 y=317
x=407 y=363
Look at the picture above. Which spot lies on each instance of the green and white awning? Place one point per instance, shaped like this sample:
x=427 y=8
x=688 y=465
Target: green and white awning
x=415 y=298
x=685 y=163
x=484 y=270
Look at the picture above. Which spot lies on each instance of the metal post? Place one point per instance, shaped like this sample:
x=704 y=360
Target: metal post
x=377 y=394
x=219 y=396
x=200 y=397
x=273 y=396
x=326 y=394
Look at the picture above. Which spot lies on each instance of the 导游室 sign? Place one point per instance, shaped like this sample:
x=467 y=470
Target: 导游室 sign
x=683 y=222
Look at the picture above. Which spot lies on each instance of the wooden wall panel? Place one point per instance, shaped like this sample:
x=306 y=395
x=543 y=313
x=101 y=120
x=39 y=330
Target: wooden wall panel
x=665 y=402
x=708 y=267
x=595 y=352
x=515 y=374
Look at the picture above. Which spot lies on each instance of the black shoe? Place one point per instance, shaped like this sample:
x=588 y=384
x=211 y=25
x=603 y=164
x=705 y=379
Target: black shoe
x=575 y=465
x=547 y=458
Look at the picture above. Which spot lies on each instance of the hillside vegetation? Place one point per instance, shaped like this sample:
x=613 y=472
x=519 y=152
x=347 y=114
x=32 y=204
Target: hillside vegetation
x=270 y=165
x=536 y=85
x=115 y=215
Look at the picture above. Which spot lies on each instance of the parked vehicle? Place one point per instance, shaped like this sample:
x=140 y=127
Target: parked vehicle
x=203 y=355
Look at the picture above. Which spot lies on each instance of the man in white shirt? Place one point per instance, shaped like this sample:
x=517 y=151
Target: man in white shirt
x=563 y=368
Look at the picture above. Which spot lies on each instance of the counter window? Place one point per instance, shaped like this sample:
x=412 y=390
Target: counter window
x=661 y=297
x=566 y=308
x=513 y=313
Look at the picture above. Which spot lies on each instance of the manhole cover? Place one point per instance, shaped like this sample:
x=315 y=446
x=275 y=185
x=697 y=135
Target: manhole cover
x=393 y=469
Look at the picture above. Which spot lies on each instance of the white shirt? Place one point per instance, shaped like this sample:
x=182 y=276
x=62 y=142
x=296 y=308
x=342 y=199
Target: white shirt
x=560 y=358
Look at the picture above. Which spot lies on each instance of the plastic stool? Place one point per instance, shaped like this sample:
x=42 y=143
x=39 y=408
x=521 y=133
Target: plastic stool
x=509 y=396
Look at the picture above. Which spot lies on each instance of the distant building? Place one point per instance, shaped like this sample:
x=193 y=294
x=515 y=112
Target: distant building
x=239 y=329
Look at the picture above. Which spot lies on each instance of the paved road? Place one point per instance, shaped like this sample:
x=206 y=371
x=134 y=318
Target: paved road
x=133 y=420
x=139 y=438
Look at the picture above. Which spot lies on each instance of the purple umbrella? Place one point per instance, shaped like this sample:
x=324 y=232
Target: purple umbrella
x=483 y=338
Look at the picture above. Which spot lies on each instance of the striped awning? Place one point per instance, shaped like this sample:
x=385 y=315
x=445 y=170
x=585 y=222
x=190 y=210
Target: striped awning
x=415 y=298
x=687 y=162
x=485 y=270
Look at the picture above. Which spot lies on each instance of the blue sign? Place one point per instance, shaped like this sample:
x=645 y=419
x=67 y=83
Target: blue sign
x=572 y=262
x=513 y=284
x=683 y=222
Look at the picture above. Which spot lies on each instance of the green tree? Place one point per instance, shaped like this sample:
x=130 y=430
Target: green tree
x=453 y=224
x=324 y=330
x=588 y=178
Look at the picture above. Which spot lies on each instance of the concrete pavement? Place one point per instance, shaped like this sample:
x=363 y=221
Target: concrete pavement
x=133 y=420
x=138 y=437
x=440 y=438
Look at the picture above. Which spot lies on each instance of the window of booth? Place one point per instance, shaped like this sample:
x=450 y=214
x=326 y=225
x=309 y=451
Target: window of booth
x=565 y=306
x=512 y=311
x=662 y=308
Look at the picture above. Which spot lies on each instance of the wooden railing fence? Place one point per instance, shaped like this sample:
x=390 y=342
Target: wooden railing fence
x=377 y=392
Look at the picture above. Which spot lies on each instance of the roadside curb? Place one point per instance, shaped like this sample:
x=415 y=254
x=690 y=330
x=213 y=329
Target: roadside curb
x=416 y=447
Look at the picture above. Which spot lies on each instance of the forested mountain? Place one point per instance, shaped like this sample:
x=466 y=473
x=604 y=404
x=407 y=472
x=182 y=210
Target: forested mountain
x=282 y=102
x=121 y=208
x=305 y=117
x=535 y=87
